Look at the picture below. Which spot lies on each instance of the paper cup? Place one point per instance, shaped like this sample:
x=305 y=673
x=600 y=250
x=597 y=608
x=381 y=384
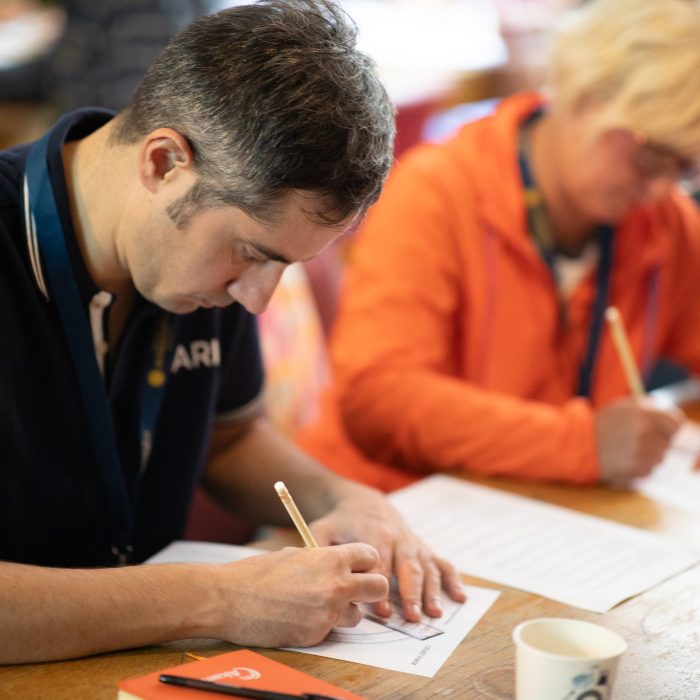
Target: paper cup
x=560 y=659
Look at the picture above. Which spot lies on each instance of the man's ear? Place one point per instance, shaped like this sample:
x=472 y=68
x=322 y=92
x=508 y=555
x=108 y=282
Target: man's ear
x=164 y=154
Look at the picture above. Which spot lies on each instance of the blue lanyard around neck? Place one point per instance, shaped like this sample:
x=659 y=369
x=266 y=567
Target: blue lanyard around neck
x=56 y=261
x=545 y=244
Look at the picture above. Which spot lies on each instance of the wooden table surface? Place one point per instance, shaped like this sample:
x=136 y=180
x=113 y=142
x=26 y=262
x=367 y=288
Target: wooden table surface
x=662 y=627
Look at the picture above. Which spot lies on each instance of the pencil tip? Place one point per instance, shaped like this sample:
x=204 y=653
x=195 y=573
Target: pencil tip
x=611 y=313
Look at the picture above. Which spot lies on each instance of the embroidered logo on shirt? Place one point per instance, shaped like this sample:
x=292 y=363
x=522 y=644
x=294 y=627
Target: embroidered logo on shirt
x=199 y=353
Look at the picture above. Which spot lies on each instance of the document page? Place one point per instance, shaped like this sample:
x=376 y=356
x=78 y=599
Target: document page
x=420 y=648
x=674 y=481
x=576 y=559
x=207 y=552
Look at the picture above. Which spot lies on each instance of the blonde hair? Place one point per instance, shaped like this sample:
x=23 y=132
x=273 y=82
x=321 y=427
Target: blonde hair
x=638 y=63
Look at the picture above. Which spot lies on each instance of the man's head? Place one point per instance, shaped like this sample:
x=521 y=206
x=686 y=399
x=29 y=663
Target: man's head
x=271 y=98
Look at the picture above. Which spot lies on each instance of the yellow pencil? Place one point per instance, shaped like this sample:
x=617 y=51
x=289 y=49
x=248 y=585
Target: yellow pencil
x=617 y=328
x=295 y=515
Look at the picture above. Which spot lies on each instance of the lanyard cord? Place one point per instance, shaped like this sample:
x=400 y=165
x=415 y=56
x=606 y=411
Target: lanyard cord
x=543 y=239
x=55 y=257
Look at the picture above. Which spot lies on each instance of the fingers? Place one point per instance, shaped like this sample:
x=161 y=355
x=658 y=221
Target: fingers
x=432 y=588
x=350 y=617
x=385 y=567
x=632 y=438
x=420 y=575
x=366 y=585
x=421 y=578
x=655 y=440
x=665 y=423
x=439 y=576
x=359 y=556
x=410 y=577
x=451 y=581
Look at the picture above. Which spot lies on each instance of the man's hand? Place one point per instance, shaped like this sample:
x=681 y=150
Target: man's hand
x=632 y=438
x=363 y=514
x=293 y=597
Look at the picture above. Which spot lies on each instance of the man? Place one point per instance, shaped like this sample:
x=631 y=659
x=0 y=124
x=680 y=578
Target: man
x=134 y=250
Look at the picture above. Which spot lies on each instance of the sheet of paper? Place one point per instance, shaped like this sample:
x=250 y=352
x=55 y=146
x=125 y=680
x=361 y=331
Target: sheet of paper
x=412 y=647
x=674 y=481
x=576 y=559
x=210 y=552
x=420 y=648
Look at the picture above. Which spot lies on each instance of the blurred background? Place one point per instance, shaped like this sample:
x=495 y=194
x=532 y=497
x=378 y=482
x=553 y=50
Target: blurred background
x=432 y=54
x=443 y=62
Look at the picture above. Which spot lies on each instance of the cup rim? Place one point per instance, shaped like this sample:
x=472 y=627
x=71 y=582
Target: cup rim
x=519 y=642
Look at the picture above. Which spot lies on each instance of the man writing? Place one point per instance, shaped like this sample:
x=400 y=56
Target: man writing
x=257 y=137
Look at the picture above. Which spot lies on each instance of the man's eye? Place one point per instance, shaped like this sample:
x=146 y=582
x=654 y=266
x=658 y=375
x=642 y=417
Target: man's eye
x=253 y=256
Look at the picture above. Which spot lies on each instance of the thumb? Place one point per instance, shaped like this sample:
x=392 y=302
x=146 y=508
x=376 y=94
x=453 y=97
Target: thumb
x=323 y=532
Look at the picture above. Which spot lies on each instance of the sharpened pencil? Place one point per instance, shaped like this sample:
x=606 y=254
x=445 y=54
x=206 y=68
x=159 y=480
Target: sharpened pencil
x=295 y=515
x=619 y=335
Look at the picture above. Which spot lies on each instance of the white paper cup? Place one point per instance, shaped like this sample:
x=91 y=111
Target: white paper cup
x=560 y=659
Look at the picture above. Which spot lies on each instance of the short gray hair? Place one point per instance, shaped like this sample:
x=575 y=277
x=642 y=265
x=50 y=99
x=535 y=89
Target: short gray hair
x=272 y=97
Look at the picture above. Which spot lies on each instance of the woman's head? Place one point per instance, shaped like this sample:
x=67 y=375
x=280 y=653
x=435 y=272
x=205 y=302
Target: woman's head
x=625 y=80
x=637 y=64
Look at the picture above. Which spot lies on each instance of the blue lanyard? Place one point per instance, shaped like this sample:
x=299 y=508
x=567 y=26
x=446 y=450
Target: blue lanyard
x=545 y=244
x=56 y=261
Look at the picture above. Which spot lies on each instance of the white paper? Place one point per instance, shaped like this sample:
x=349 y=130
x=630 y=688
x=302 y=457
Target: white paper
x=573 y=558
x=394 y=644
x=208 y=552
x=674 y=480
x=420 y=648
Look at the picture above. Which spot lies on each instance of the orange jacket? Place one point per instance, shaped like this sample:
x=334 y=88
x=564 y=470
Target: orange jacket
x=447 y=351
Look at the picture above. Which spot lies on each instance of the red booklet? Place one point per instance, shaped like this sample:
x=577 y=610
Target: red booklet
x=243 y=668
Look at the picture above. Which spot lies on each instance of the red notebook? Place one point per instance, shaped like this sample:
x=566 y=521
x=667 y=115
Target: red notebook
x=243 y=668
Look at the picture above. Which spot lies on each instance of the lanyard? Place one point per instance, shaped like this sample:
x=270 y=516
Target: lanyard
x=543 y=238
x=57 y=263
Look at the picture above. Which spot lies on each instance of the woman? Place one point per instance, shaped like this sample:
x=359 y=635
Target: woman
x=471 y=332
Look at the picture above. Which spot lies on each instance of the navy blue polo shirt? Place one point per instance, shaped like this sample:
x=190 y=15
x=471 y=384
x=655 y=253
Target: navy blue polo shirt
x=52 y=505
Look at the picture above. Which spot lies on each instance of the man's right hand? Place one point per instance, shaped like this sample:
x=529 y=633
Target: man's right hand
x=632 y=437
x=293 y=597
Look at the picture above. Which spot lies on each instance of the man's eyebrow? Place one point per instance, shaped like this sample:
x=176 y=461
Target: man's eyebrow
x=269 y=253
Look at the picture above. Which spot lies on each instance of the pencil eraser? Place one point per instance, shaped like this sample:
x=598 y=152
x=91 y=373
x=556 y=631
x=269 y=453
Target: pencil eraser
x=280 y=487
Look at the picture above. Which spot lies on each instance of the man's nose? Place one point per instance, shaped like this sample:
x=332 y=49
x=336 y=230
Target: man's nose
x=255 y=285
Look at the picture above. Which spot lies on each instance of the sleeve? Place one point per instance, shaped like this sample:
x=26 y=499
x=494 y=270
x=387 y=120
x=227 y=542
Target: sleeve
x=240 y=396
x=402 y=395
x=680 y=307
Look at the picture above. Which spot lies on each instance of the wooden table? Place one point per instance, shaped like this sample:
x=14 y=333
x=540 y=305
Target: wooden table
x=662 y=627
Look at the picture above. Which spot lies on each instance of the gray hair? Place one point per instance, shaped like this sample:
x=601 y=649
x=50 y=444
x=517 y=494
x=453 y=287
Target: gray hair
x=272 y=97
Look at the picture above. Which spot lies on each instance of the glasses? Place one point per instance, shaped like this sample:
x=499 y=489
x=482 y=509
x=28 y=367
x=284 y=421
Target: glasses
x=653 y=161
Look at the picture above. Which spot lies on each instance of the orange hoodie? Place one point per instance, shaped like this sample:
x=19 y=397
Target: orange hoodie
x=447 y=352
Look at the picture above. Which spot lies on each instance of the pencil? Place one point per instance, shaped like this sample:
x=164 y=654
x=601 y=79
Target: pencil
x=295 y=515
x=619 y=335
